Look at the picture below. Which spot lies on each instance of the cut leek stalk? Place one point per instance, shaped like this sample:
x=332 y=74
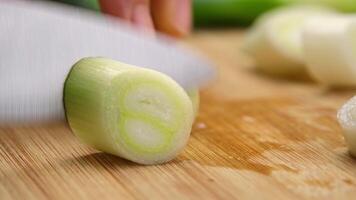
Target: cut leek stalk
x=135 y=113
x=195 y=98
x=347 y=120
x=330 y=46
x=274 y=42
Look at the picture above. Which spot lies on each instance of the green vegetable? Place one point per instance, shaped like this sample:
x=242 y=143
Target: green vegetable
x=136 y=113
x=230 y=12
x=340 y=5
x=90 y=4
x=243 y=12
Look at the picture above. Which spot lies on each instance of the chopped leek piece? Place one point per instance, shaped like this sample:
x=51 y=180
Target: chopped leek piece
x=195 y=98
x=135 y=113
x=275 y=40
x=347 y=120
x=330 y=46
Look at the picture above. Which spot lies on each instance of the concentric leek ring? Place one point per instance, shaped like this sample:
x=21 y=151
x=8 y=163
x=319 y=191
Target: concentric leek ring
x=138 y=114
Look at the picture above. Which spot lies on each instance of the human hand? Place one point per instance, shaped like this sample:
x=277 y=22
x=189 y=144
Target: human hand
x=172 y=17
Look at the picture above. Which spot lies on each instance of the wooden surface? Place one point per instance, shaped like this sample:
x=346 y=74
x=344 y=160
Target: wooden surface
x=256 y=137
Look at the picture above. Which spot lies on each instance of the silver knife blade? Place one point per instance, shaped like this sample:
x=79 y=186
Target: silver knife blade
x=39 y=42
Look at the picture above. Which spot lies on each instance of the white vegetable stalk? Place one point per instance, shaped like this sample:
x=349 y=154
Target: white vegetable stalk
x=195 y=98
x=274 y=41
x=135 y=113
x=347 y=119
x=330 y=47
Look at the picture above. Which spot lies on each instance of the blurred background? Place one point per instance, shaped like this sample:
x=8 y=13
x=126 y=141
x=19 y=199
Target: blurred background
x=231 y=12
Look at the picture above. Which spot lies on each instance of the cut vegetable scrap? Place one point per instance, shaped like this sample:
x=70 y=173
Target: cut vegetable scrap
x=195 y=98
x=347 y=120
x=135 y=113
x=330 y=47
x=274 y=42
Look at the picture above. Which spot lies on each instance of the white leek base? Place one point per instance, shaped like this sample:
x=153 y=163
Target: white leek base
x=347 y=120
x=329 y=44
x=274 y=42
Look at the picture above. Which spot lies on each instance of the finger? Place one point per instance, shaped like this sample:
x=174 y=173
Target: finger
x=141 y=16
x=134 y=11
x=172 y=16
x=118 y=8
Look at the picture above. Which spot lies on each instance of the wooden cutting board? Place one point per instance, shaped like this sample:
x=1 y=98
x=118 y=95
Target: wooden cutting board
x=256 y=137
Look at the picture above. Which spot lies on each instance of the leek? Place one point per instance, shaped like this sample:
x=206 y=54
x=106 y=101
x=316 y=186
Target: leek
x=329 y=48
x=347 y=119
x=275 y=40
x=135 y=113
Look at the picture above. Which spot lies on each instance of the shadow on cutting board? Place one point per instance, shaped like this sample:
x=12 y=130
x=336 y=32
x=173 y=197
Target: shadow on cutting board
x=100 y=159
x=302 y=77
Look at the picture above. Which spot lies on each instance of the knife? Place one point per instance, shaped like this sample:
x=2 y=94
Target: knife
x=39 y=42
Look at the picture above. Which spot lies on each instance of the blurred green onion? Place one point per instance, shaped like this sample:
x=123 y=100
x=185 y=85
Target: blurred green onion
x=340 y=5
x=230 y=12
x=90 y=4
x=244 y=12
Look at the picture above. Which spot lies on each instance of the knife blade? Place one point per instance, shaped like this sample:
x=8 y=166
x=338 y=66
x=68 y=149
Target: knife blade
x=39 y=42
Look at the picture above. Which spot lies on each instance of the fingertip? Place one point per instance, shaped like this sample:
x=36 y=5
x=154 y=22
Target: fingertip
x=118 y=8
x=142 y=19
x=172 y=16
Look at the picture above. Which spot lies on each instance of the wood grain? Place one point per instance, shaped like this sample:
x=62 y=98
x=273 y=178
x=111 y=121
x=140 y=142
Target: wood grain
x=256 y=137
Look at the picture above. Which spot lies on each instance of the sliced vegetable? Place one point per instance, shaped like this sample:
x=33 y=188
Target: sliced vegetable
x=195 y=98
x=347 y=120
x=275 y=39
x=136 y=113
x=330 y=46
